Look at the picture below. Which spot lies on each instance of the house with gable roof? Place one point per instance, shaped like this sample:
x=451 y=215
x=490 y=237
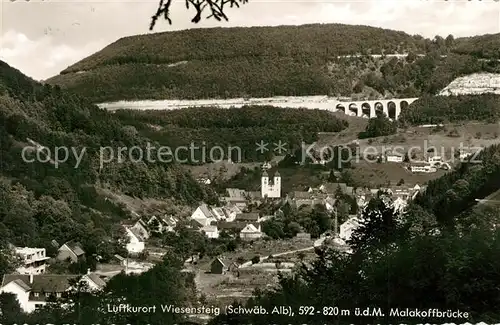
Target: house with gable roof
x=210 y=231
x=251 y=232
x=137 y=242
x=162 y=224
x=142 y=228
x=203 y=215
x=71 y=250
x=221 y=265
x=35 y=290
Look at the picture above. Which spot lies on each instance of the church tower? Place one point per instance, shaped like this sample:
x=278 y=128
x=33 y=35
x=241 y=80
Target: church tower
x=277 y=185
x=264 y=184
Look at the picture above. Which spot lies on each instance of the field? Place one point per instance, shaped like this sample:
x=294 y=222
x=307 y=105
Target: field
x=444 y=140
x=450 y=136
x=225 y=288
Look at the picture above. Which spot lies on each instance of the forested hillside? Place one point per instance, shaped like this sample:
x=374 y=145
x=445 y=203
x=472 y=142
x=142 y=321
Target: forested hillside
x=239 y=128
x=270 y=61
x=42 y=202
x=483 y=46
x=452 y=109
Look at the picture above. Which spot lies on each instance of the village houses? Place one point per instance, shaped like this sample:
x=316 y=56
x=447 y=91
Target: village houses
x=34 y=290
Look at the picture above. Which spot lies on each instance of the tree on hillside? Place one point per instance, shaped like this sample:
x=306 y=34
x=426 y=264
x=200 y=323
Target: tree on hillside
x=215 y=7
x=379 y=126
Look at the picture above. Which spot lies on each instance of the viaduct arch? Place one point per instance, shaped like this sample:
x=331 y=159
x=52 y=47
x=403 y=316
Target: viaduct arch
x=392 y=108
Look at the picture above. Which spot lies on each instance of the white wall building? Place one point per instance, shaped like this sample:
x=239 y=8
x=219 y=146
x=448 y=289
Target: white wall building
x=394 y=158
x=271 y=189
x=136 y=242
x=231 y=212
x=203 y=215
x=211 y=231
x=34 y=260
x=422 y=168
x=400 y=204
x=251 y=232
x=435 y=159
x=348 y=227
x=33 y=291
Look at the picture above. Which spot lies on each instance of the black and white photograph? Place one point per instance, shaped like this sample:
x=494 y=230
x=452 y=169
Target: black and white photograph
x=238 y=162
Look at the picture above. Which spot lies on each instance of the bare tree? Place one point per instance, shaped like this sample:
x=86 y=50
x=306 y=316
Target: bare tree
x=215 y=8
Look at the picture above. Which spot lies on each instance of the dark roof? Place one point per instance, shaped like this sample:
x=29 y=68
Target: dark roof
x=139 y=234
x=236 y=193
x=96 y=279
x=42 y=282
x=218 y=260
x=22 y=284
x=252 y=216
x=142 y=223
x=76 y=247
x=206 y=211
x=235 y=225
x=169 y=221
x=420 y=164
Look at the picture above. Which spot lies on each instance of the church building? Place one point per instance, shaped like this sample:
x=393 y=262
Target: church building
x=271 y=188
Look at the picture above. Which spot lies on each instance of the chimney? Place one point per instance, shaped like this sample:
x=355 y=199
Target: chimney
x=31 y=278
x=88 y=271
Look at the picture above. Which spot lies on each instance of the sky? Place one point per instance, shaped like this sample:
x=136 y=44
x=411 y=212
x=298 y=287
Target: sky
x=43 y=37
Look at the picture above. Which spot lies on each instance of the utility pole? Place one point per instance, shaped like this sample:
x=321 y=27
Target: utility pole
x=335 y=224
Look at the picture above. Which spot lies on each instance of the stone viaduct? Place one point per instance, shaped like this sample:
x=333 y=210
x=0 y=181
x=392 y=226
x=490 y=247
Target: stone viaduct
x=368 y=108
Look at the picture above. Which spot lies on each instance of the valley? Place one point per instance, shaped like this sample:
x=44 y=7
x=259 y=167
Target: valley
x=360 y=157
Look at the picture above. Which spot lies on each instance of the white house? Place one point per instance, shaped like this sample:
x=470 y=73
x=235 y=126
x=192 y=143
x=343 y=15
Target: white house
x=33 y=291
x=203 y=215
x=165 y=224
x=251 y=232
x=435 y=159
x=34 y=260
x=136 y=243
x=204 y=180
x=348 y=227
x=394 y=157
x=93 y=281
x=329 y=204
x=271 y=189
x=231 y=211
x=400 y=203
x=422 y=168
x=141 y=227
x=211 y=231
